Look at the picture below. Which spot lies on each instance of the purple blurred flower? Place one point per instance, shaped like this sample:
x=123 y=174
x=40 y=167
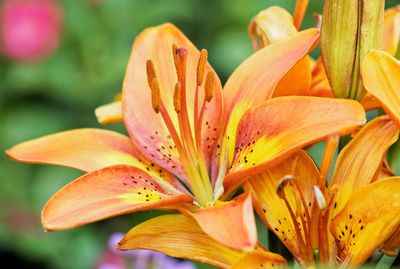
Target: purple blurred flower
x=140 y=259
x=29 y=29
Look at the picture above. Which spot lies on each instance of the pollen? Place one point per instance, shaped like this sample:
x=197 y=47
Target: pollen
x=177 y=97
x=201 y=65
x=150 y=70
x=155 y=95
x=209 y=91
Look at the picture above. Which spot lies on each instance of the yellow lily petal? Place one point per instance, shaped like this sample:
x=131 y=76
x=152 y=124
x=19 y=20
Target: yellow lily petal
x=273 y=131
x=106 y=193
x=391 y=30
x=359 y=160
x=109 y=113
x=179 y=236
x=371 y=215
x=273 y=210
x=231 y=223
x=381 y=76
x=260 y=260
x=392 y=245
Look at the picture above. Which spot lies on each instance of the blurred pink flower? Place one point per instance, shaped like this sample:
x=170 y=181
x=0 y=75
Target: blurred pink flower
x=29 y=29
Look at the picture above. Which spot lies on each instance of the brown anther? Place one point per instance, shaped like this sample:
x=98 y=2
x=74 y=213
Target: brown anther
x=201 y=66
x=209 y=86
x=174 y=49
x=151 y=72
x=155 y=95
x=177 y=97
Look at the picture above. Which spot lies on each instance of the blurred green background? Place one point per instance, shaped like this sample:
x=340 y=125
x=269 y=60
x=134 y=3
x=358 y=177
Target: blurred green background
x=62 y=91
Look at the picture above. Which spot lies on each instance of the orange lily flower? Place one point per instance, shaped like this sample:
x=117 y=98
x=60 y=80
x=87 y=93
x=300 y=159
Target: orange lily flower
x=191 y=144
x=381 y=77
x=343 y=223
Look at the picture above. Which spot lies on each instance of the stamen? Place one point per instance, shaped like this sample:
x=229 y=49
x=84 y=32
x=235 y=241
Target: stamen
x=177 y=97
x=330 y=148
x=155 y=95
x=209 y=86
x=201 y=65
x=151 y=72
x=281 y=193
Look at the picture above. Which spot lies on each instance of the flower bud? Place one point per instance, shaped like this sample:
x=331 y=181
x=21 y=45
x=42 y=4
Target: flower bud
x=350 y=29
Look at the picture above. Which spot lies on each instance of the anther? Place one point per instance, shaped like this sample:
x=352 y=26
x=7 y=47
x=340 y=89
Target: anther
x=201 y=65
x=155 y=95
x=151 y=72
x=177 y=97
x=174 y=49
x=319 y=197
x=209 y=86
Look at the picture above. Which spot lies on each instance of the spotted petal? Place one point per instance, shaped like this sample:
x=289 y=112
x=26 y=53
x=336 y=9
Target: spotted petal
x=358 y=230
x=88 y=150
x=179 y=236
x=281 y=126
x=146 y=127
x=360 y=159
x=231 y=223
x=251 y=84
x=273 y=210
x=381 y=77
x=105 y=193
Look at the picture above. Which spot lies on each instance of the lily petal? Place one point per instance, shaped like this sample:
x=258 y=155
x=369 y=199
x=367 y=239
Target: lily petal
x=320 y=84
x=275 y=24
x=391 y=32
x=109 y=113
x=231 y=224
x=250 y=85
x=381 y=77
x=105 y=193
x=273 y=210
x=179 y=236
x=358 y=230
x=369 y=102
x=146 y=127
x=392 y=245
x=300 y=11
x=88 y=150
x=82 y=149
x=359 y=160
x=269 y=133
x=260 y=260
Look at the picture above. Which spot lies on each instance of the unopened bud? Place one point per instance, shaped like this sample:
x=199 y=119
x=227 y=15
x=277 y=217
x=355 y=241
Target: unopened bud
x=350 y=29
